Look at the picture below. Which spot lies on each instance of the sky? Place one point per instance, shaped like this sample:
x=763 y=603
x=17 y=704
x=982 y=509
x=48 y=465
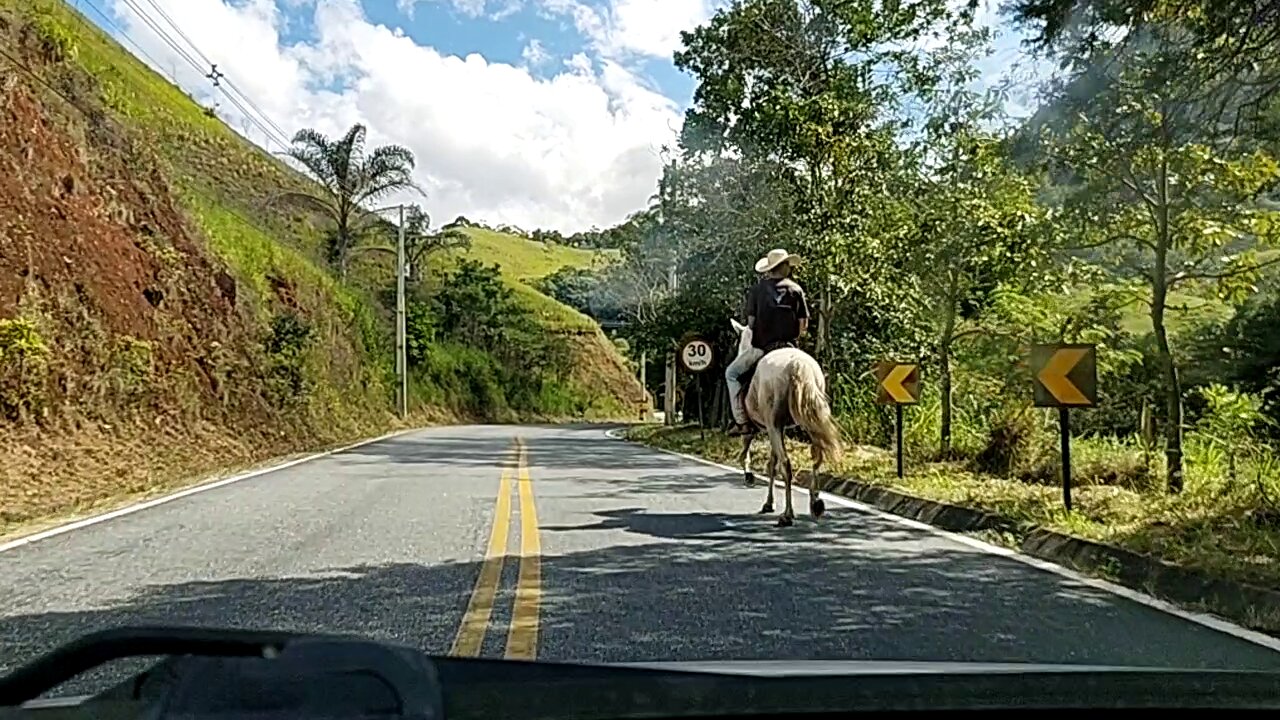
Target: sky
x=538 y=113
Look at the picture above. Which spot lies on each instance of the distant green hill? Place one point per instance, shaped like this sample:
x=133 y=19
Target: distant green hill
x=524 y=259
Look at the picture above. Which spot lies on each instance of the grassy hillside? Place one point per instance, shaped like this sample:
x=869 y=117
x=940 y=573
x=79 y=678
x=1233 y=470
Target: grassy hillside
x=522 y=262
x=157 y=320
x=524 y=259
x=600 y=383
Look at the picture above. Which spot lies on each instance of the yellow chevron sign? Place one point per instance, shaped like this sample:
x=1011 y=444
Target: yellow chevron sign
x=899 y=383
x=1066 y=375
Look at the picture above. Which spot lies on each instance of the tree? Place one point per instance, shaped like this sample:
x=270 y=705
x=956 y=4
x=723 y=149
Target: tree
x=420 y=242
x=812 y=86
x=1235 y=31
x=475 y=306
x=1229 y=48
x=977 y=222
x=1159 y=191
x=348 y=178
x=712 y=218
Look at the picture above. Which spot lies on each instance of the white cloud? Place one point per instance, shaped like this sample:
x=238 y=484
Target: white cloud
x=492 y=141
x=652 y=27
x=534 y=53
x=469 y=8
x=624 y=28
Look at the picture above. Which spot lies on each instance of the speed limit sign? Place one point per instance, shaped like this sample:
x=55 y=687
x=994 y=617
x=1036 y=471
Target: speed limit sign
x=696 y=355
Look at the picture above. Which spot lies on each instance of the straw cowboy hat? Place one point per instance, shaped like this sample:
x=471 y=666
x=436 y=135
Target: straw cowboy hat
x=774 y=259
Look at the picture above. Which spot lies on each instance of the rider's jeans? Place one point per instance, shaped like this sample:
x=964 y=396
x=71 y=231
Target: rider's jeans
x=743 y=363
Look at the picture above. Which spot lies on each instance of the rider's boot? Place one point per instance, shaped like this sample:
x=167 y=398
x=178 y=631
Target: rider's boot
x=739 y=429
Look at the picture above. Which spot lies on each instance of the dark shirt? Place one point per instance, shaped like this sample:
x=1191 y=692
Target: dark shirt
x=778 y=305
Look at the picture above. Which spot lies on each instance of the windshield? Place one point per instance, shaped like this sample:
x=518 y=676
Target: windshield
x=627 y=331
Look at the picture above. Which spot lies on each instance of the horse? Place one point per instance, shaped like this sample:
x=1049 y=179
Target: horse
x=785 y=389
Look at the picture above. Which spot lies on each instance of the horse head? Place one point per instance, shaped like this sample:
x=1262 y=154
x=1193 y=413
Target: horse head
x=744 y=335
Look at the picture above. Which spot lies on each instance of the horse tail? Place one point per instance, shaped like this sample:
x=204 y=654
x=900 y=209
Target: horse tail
x=807 y=401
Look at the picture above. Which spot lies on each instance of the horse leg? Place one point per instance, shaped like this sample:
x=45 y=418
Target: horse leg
x=789 y=514
x=816 y=505
x=748 y=478
x=768 y=501
x=780 y=459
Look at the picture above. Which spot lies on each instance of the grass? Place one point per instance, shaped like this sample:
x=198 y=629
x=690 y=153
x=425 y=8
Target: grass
x=1207 y=527
x=522 y=259
x=1187 y=310
x=554 y=315
x=254 y=254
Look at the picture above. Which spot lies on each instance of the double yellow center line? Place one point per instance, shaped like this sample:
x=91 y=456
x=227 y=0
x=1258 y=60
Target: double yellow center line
x=522 y=637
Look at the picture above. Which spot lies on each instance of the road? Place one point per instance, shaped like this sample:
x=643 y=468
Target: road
x=614 y=552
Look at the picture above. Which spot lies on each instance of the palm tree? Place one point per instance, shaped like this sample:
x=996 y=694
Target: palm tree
x=420 y=241
x=348 y=179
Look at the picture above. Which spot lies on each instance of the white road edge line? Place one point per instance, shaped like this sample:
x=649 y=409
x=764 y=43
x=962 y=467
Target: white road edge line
x=1210 y=621
x=138 y=507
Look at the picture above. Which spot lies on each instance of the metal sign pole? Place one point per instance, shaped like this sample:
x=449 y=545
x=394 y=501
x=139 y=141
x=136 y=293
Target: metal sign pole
x=702 y=429
x=1064 y=426
x=898 y=408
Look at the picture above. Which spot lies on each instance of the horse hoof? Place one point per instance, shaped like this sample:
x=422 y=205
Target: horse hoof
x=785 y=521
x=766 y=508
x=749 y=479
x=817 y=507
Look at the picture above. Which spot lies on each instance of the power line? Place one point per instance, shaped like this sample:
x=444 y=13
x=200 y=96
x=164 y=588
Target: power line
x=107 y=19
x=164 y=36
x=181 y=34
x=270 y=130
x=160 y=68
x=236 y=89
x=214 y=75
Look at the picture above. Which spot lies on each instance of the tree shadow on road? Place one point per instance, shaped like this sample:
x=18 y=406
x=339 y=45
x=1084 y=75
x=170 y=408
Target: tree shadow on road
x=689 y=586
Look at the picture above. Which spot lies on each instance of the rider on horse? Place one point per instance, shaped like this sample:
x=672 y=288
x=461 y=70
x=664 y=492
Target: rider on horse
x=777 y=315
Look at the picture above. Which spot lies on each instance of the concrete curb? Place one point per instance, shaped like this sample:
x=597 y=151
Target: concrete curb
x=1232 y=599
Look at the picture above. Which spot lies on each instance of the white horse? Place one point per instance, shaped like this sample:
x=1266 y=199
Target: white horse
x=788 y=389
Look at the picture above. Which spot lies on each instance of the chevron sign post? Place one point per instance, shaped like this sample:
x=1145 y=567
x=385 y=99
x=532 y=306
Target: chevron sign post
x=1065 y=376
x=897 y=384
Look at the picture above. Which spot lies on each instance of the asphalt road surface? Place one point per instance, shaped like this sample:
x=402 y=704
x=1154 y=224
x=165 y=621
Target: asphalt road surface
x=602 y=551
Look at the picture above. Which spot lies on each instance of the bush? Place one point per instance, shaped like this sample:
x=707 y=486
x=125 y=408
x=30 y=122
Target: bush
x=286 y=347
x=1227 y=428
x=1244 y=352
x=1015 y=445
x=57 y=43
x=23 y=368
x=477 y=349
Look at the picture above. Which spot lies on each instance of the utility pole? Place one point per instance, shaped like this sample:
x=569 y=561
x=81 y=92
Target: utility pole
x=669 y=398
x=402 y=355
x=402 y=344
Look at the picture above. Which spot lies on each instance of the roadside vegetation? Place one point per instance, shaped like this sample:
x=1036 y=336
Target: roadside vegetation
x=1134 y=208
x=176 y=302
